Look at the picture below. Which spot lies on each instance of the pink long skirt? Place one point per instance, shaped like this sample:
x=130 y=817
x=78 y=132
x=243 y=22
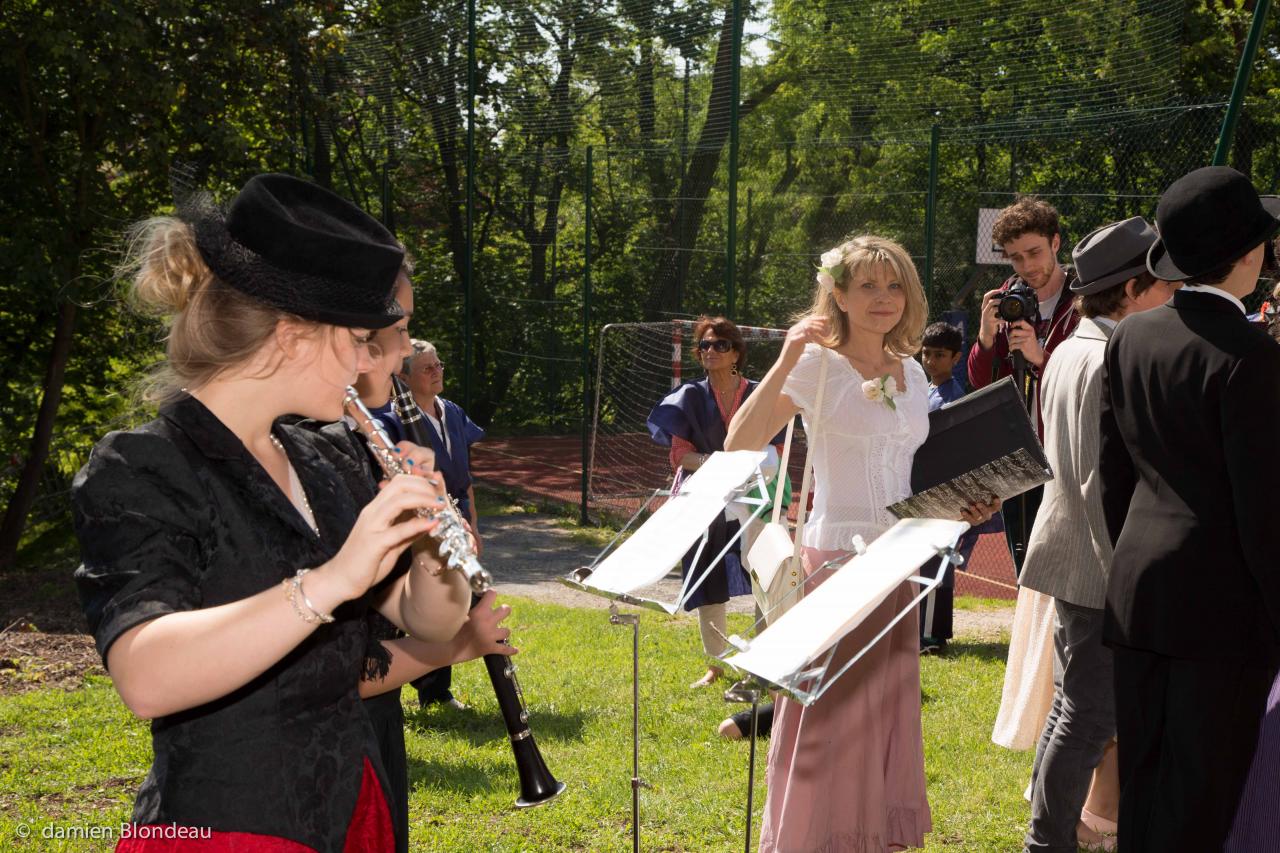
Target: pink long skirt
x=846 y=774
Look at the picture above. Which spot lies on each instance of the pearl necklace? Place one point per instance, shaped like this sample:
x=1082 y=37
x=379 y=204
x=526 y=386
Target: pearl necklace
x=307 y=515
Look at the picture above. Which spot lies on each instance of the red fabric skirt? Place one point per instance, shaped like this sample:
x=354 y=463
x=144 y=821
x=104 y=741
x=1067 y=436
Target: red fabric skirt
x=369 y=832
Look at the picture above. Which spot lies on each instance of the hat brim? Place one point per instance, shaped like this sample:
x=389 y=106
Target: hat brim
x=1108 y=281
x=1162 y=266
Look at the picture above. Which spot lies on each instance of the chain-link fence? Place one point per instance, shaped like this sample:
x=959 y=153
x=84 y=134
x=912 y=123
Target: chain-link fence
x=557 y=166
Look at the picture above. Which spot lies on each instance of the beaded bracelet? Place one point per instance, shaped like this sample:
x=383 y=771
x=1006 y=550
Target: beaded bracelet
x=297 y=582
x=290 y=594
x=293 y=589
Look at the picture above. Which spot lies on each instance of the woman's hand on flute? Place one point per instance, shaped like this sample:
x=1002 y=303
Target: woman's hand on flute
x=385 y=527
x=428 y=603
x=419 y=461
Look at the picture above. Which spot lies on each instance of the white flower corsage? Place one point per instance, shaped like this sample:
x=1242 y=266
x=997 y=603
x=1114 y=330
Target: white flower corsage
x=832 y=268
x=883 y=389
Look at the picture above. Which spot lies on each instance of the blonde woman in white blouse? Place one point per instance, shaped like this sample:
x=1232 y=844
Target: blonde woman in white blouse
x=847 y=773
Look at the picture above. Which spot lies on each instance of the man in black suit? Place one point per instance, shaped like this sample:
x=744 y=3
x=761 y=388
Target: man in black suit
x=1191 y=404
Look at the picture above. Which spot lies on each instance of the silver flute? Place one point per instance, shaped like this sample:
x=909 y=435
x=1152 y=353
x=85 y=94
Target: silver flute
x=451 y=534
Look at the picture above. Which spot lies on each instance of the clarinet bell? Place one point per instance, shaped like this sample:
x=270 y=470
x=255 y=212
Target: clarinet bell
x=537 y=785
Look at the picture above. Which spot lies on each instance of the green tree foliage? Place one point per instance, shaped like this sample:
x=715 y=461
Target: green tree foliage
x=98 y=100
x=1083 y=101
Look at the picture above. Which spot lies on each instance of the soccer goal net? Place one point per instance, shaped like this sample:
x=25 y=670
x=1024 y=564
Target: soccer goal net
x=638 y=365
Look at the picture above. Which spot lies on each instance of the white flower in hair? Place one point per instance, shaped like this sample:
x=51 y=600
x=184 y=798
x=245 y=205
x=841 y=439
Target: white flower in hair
x=832 y=268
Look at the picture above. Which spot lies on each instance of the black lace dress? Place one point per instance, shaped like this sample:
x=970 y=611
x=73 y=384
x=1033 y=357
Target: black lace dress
x=176 y=516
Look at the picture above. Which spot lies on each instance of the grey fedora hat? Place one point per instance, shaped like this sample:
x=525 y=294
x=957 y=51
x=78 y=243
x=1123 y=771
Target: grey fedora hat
x=1112 y=255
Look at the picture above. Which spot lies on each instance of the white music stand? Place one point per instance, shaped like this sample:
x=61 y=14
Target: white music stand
x=621 y=571
x=795 y=652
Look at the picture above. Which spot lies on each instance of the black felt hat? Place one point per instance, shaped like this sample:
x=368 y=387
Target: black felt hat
x=1207 y=219
x=300 y=248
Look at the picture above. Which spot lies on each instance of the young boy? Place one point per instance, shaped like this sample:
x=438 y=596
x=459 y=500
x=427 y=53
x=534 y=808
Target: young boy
x=940 y=355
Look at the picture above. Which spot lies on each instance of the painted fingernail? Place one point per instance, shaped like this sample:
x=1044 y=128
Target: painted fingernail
x=397 y=450
x=440 y=500
x=409 y=461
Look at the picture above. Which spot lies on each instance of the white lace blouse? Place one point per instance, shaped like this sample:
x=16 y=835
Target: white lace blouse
x=862 y=450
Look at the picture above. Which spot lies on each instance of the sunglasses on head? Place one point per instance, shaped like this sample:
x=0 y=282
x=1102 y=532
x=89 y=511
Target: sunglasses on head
x=718 y=346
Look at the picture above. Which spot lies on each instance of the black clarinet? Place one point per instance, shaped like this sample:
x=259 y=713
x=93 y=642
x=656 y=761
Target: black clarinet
x=537 y=785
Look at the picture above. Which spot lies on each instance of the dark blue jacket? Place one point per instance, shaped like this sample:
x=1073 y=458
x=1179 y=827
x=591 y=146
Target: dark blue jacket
x=455 y=464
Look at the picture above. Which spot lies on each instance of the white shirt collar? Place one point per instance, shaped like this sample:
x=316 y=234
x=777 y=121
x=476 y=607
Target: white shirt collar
x=437 y=416
x=1107 y=322
x=1216 y=291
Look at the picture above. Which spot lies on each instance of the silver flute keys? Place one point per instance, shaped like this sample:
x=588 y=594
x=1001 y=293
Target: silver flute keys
x=450 y=534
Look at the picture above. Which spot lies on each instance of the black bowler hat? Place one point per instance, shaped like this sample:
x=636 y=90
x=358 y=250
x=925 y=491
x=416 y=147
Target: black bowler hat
x=301 y=248
x=1207 y=219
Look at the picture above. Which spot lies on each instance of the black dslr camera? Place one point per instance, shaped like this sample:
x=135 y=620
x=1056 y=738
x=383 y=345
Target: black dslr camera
x=1019 y=302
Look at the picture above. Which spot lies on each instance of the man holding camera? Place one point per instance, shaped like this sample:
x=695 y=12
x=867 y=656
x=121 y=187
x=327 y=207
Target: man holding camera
x=1027 y=231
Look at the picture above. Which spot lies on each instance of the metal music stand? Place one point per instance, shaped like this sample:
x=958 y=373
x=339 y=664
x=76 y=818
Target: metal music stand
x=625 y=567
x=786 y=654
x=793 y=655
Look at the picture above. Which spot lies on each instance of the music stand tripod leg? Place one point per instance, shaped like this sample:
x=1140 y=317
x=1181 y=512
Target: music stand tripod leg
x=748 y=692
x=751 y=763
x=632 y=619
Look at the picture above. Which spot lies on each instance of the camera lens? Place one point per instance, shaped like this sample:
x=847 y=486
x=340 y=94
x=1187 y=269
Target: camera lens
x=1012 y=308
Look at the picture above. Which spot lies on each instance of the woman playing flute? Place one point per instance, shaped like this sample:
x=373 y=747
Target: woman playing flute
x=227 y=564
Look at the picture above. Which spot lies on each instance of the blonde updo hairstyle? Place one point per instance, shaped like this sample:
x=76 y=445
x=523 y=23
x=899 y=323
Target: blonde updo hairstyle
x=860 y=255
x=210 y=326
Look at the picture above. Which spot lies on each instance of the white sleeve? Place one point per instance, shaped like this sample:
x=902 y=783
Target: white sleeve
x=801 y=384
x=914 y=373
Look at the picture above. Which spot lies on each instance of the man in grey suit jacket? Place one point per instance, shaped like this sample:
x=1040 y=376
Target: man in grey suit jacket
x=1069 y=553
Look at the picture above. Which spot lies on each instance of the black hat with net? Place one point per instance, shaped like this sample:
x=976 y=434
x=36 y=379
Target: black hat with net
x=300 y=248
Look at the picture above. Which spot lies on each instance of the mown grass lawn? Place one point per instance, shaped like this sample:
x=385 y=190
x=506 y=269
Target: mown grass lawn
x=71 y=760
